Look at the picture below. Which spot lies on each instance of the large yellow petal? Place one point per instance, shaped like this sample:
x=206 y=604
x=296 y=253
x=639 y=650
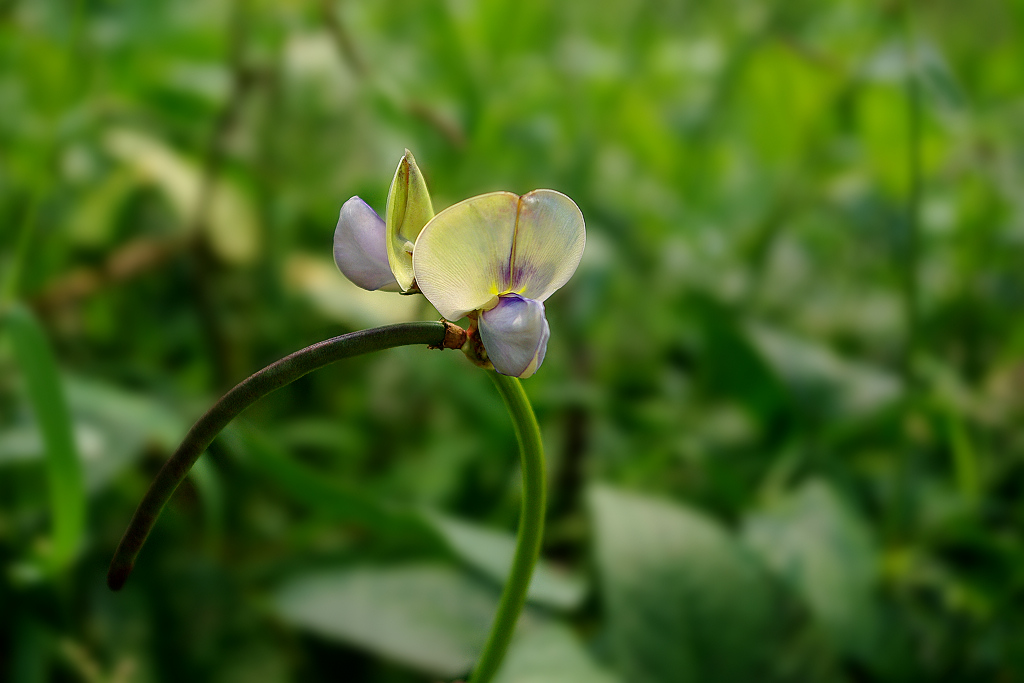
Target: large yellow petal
x=549 y=242
x=462 y=257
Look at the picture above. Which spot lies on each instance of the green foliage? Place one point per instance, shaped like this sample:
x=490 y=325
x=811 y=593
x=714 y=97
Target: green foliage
x=787 y=373
x=64 y=472
x=490 y=552
x=684 y=600
x=817 y=545
x=551 y=653
x=432 y=618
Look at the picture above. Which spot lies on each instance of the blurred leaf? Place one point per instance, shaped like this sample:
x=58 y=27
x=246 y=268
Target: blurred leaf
x=965 y=459
x=550 y=653
x=491 y=552
x=114 y=426
x=894 y=62
x=311 y=488
x=111 y=427
x=732 y=363
x=231 y=223
x=64 y=473
x=784 y=95
x=823 y=382
x=815 y=543
x=883 y=121
x=19 y=444
x=429 y=617
x=485 y=550
x=881 y=114
x=939 y=81
x=95 y=217
x=211 y=490
x=683 y=600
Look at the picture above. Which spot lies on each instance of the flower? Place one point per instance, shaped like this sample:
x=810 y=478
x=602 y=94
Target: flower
x=377 y=254
x=497 y=257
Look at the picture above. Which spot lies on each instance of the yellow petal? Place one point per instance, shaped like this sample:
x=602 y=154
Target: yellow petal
x=462 y=257
x=549 y=242
x=408 y=210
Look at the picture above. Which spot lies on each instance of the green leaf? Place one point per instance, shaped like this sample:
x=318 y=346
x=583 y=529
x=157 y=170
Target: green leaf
x=484 y=550
x=787 y=97
x=19 y=444
x=729 y=360
x=211 y=489
x=490 y=552
x=64 y=473
x=819 y=546
x=94 y=219
x=341 y=502
x=940 y=83
x=966 y=463
x=551 y=653
x=683 y=600
x=429 y=617
x=114 y=426
x=111 y=427
x=820 y=380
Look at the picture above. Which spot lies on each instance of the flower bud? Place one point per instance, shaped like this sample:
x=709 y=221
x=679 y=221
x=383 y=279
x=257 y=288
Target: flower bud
x=408 y=210
x=359 y=248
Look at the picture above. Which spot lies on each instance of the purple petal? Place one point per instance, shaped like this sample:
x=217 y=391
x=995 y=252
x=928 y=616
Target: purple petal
x=515 y=334
x=359 y=247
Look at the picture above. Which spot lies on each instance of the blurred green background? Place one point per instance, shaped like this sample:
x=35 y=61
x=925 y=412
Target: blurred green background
x=781 y=402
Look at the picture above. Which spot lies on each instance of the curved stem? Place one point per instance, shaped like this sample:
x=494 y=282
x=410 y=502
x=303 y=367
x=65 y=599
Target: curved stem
x=247 y=392
x=531 y=528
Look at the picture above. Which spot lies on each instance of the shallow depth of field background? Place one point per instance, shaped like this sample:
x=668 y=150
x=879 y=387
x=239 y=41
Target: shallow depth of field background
x=783 y=401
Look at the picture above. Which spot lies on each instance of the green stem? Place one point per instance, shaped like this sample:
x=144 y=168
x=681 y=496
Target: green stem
x=531 y=528
x=247 y=392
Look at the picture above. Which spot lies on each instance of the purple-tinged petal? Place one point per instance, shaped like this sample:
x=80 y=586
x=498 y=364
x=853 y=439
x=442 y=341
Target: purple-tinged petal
x=359 y=247
x=515 y=334
x=549 y=241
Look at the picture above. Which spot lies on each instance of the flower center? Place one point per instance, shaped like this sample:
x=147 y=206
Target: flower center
x=491 y=303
